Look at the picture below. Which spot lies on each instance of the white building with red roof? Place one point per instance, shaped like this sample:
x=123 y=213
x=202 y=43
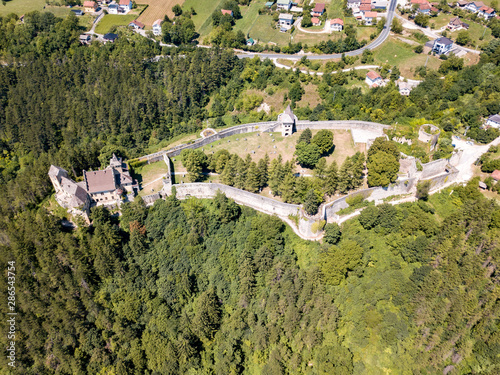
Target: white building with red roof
x=336 y=24
x=373 y=79
x=486 y=12
x=126 y=5
x=370 y=18
x=316 y=21
x=157 y=27
x=90 y=6
x=136 y=25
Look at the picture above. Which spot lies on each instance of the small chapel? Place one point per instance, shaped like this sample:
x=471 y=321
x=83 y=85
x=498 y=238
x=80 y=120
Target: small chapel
x=287 y=120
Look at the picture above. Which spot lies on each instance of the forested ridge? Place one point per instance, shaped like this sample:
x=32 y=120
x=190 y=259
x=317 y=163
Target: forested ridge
x=209 y=286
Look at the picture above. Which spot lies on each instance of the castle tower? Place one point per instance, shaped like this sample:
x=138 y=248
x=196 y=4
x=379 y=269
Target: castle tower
x=55 y=175
x=287 y=120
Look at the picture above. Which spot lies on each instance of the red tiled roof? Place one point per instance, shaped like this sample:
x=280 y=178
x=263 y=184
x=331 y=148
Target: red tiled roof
x=366 y=2
x=434 y=9
x=159 y=21
x=419 y=1
x=371 y=15
x=315 y=20
x=365 y=7
x=486 y=9
x=226 y=11
x=89 y=4
x=319 y=8
x=373 y=75
x=124 y=2
x=496 y=175
x=336 y=21
x=138 y=24
x=425 y=6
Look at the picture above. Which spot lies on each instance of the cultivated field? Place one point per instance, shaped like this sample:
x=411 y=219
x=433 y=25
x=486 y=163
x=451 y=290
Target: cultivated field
x=157 y=9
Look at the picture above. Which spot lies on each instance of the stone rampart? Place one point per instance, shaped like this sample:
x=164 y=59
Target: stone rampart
x=240 y=129
x=347 y=124
x=433 y=168
x=255 y=201
x=371 y=194
x=429 y=137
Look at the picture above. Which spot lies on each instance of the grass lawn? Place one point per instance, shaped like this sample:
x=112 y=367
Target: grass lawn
x=203 y=8
x=21 y=7
x=441 y=20
x=109 y=20
x=363 y=33
x=311 y=39
x=476 y=31
x=148 y=173
x=334 y=9
x=310 y=97
x=264 y=30
x=249 y=14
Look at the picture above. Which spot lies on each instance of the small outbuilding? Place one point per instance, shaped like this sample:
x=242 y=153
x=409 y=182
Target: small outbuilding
x=496 y=175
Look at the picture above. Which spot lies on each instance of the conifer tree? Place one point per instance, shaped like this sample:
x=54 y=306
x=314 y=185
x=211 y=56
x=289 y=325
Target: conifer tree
x=305 y=136
x=228 y=176
x=276 y=175
x=263 y=167
x=287 y=188
x=311 y=203
x=331 y=180
x=252 y=182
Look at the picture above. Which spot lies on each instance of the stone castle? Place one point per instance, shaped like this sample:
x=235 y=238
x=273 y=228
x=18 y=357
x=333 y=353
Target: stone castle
x=109 y=187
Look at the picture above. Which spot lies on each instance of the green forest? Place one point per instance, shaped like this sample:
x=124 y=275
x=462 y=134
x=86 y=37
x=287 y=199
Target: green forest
x=210 y=287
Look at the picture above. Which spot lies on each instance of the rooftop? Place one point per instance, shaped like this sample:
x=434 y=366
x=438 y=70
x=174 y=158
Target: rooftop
x=98 y=181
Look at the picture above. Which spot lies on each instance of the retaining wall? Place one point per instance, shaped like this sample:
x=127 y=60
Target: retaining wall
x=255 y=201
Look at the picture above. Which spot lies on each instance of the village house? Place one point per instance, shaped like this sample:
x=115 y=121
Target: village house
x=157 y=27
x=113 y=9
x=90 y=6
x=456 y=24
x=250 y=42
x=284 y=4
x=85 y=38
x=486 y=12
x=136 y=25
x=493 y=121
x=442 y=45
x=365 y=8
x=353 y=4
x=404 y=88
x=227 y=12
x=336 y=24
x=496 y=175
x=318 y=10
x=285 y=21
x=316 y=21
x=474 y=6
x=424 y=8
x=373 y=79
x=380 y=4
x=110 y=37
x=78 y=12
x=370 y=18
x=126 y=5
x=102 y=187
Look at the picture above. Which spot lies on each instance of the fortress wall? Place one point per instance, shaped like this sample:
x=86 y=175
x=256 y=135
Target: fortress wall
x=239 y=129
x=255 y=201
x=371 y=194
x=441 y=179
x=433 y=168
x=348 y=124
x=266 y=127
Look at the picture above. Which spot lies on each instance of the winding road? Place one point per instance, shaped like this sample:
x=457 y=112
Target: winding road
x=377 y=42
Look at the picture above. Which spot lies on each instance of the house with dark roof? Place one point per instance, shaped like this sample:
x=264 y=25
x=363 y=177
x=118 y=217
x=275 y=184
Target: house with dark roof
x=353 y=4
x=110 y=37
x=493 y=121
x=78 y=12
x=442 y=45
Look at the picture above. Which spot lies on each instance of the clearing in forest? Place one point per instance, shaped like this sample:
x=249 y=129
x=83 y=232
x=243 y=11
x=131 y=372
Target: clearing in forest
x=156 y=10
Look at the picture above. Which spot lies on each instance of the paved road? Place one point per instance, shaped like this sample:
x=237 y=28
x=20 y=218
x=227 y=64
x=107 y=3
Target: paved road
x=377 y=42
